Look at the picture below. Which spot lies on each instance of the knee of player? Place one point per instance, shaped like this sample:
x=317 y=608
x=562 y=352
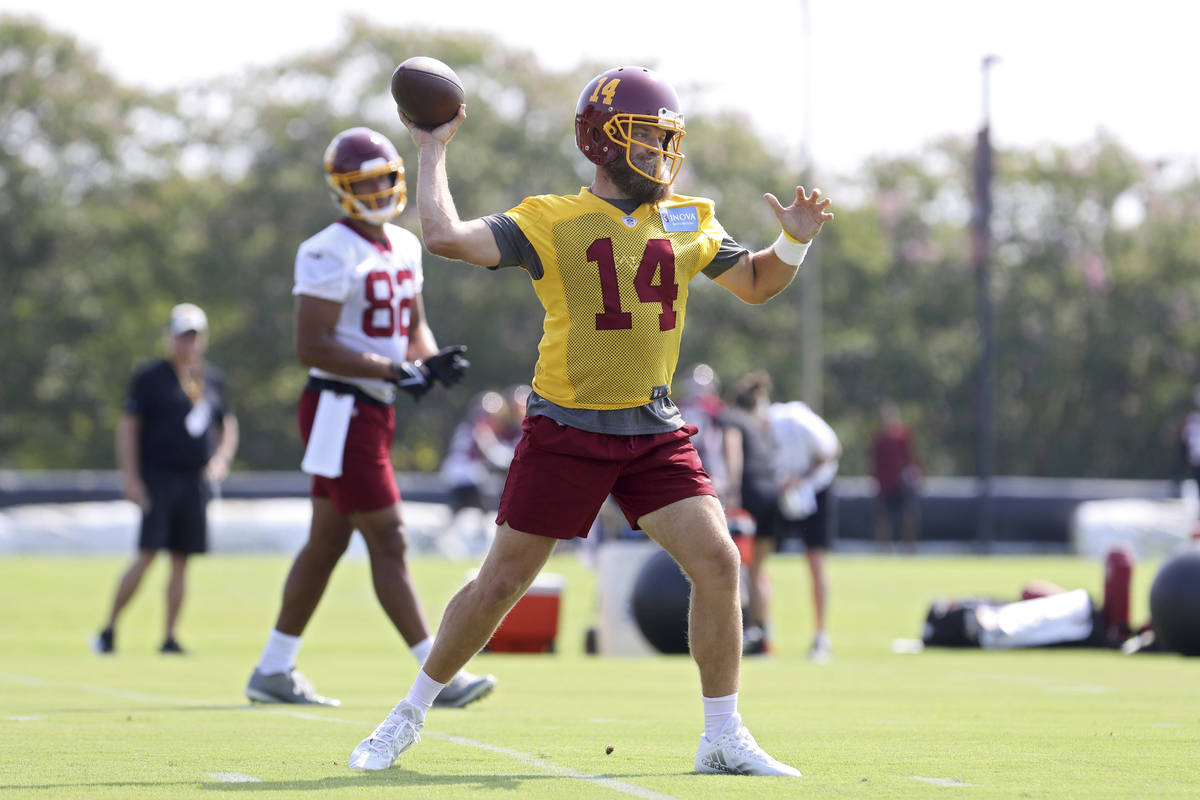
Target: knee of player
x=327 y=549
x=393 y=544
x=719 y=562
x=731 y=560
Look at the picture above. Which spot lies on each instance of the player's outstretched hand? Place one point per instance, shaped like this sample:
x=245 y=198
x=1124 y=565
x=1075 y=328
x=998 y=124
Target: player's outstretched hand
x=448 y=364
x=804 y=217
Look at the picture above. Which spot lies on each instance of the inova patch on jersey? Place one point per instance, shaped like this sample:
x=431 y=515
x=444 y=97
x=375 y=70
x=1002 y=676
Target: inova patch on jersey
x=686 y=218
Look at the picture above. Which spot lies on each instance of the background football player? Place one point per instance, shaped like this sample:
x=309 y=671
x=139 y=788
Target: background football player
x=360 y=327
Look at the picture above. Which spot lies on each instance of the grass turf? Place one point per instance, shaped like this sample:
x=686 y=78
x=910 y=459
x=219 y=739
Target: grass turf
x=1054 y=723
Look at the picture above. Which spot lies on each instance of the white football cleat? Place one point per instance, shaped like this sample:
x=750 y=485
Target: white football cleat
x=736 y=753
x=397 y=733
x=822 y=649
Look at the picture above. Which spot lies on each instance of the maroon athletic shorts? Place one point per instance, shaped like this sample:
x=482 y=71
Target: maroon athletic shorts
x=560 y=476
x=368 y=480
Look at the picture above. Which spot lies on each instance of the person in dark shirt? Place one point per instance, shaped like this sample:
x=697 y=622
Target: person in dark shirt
x=177 y=437
x=751 y=456
x=1187 y=465
x=897 y=477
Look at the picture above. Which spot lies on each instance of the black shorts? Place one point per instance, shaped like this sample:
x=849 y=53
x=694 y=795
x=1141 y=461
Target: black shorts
x=817 y=529
x=768 y=520
x=177 y=517
x=466 y=495
x=898 y=501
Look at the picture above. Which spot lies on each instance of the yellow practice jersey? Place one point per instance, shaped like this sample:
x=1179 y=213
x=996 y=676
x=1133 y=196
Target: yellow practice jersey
x=615 y=290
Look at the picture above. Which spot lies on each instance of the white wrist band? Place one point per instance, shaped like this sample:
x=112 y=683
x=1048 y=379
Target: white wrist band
x=789 y=251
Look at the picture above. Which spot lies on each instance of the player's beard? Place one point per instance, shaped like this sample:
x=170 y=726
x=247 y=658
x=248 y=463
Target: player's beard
x=636 y=186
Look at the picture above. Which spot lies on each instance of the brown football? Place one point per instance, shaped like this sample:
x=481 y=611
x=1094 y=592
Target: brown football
x=427 y=91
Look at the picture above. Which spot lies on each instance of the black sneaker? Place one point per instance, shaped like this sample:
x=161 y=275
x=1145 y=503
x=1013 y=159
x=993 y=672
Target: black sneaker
x=172 y=646
x=755 y=642
x=102 y=642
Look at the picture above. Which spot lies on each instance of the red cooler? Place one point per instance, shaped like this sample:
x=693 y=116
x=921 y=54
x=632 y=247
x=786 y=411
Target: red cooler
x=532 y=625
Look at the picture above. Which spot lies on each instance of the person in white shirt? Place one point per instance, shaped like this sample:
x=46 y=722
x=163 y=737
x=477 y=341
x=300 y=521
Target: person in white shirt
x=807 y=452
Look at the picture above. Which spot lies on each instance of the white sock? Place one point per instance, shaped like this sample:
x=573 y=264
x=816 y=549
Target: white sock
x=717 y=711
x=421 y=649
x=279 y=654
x=423 y=692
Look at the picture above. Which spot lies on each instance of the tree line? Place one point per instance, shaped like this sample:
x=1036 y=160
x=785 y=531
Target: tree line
x=119 y=202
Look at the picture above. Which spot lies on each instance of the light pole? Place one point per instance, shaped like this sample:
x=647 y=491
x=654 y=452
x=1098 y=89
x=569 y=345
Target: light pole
x=812 y=356
x=981 y=236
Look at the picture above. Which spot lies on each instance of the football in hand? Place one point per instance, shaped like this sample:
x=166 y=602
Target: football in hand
x=427 y=91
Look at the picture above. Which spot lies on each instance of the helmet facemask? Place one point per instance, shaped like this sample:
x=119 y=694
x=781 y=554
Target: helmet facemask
x=377 y=207
x=669 y=157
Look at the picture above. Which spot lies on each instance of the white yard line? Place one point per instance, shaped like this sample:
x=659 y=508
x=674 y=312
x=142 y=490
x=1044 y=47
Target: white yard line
x=541 y=764
x=554 y=769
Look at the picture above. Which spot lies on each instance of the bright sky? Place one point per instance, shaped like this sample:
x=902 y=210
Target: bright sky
x=863 y=77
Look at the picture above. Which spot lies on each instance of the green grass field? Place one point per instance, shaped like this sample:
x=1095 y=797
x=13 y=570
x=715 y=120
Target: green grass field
x=1058 y=723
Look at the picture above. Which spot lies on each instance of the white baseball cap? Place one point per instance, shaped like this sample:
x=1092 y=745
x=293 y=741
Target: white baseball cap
x=187 y=317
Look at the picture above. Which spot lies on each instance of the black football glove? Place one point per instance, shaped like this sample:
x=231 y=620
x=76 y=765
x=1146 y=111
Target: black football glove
x=448 y=364
x=412 y=377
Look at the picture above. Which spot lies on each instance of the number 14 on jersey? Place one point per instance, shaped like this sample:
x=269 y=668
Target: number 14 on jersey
x=658 y=262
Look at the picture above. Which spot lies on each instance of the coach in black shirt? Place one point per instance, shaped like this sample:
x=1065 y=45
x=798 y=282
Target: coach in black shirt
x=176 y=437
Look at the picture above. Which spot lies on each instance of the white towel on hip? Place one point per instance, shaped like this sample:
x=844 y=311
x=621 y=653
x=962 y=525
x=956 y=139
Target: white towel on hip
x=327 y=441
x=798 y=502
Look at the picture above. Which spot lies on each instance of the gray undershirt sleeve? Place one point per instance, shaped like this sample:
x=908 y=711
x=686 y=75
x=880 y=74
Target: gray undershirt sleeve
x=728 y=255
x=515 y=247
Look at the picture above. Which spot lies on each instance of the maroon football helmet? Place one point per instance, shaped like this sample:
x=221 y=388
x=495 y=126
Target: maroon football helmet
x=616 y=100
x=361 y=154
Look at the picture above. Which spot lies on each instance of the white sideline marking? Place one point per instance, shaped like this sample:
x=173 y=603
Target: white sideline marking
x=555 y=769
x=942 y=781
x=528 y=760
x=25 y=679
x=232 y=777
x=302 y=715
x=26 y=719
